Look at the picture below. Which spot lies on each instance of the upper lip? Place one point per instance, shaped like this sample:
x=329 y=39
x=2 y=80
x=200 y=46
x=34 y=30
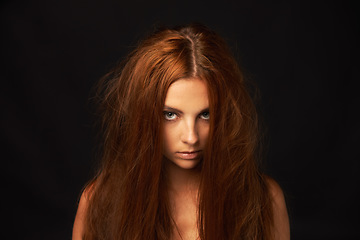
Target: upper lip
x=190 y=151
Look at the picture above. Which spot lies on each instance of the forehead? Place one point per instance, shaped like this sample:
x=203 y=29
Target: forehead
x=187 y=93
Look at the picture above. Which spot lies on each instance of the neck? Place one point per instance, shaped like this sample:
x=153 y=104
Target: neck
x=182 y=180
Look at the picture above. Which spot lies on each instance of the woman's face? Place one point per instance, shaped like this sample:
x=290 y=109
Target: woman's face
x=186 y=122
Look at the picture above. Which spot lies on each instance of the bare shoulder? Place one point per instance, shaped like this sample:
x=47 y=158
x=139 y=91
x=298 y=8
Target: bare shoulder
x=78 y=227
x=281 y=218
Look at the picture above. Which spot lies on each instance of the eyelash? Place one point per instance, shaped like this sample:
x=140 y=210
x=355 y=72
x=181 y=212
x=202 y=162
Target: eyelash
x=201 y=116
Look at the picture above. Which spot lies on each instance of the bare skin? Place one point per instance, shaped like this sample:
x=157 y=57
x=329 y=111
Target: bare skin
x=183 y=195
x=80 y=217
x=185 y=212
x=281 y=218
x=186 y=129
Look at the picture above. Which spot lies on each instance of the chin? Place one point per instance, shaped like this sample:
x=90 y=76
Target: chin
x=186 y=164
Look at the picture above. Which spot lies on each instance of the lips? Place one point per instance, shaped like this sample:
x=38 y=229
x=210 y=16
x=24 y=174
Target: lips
x=189 y=155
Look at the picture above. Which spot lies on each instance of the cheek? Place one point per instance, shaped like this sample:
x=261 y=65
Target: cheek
x=168 y=136
x=204 y=134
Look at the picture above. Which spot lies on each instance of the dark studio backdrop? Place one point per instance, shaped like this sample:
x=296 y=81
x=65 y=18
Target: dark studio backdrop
x=303 y=57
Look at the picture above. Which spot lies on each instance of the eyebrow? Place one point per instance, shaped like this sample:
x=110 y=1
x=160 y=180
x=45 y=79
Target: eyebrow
x=167 y=108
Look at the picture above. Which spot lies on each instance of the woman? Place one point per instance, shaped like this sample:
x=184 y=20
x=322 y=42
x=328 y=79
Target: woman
x=180 y=146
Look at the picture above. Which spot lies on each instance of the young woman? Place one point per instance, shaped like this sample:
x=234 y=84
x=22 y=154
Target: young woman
x=180 y=145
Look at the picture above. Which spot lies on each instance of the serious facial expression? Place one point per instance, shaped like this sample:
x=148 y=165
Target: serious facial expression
x=186 y=122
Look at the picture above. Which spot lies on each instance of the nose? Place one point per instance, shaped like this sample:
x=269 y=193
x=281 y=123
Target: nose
x=190 y=134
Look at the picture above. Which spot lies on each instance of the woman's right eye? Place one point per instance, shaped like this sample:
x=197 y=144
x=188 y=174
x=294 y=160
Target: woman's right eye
x=169 y=116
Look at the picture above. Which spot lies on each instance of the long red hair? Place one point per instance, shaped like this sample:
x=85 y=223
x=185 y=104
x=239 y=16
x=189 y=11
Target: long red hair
x=128 y=198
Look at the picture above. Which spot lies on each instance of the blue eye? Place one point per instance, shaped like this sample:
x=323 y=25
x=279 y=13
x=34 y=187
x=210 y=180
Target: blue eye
x=205 y=115
x=169 y=116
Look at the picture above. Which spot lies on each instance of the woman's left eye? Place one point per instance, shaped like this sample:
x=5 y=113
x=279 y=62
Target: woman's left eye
x=205 y=115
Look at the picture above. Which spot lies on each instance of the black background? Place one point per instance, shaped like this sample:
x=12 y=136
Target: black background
x=302 y=55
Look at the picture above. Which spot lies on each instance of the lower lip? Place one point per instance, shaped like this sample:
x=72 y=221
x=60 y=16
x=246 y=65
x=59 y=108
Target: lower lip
x=188 y=156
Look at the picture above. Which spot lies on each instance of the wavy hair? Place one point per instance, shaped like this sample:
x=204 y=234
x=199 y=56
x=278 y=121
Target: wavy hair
x=129 y=198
